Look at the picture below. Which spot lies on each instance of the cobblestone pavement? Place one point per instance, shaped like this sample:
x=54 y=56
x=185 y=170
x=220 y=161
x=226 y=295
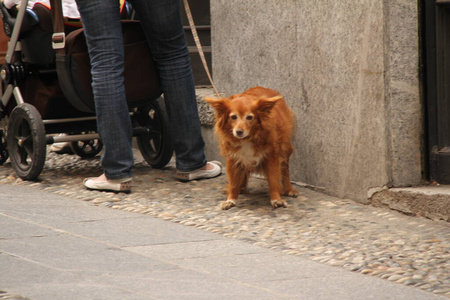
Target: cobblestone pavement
x=374 y=241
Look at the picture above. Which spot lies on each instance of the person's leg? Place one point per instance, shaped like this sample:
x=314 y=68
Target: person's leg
x=161 y=20
x=103 y=31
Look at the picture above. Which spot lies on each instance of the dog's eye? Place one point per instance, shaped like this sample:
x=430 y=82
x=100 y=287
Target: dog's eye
x=233 y=117
x=249 y=117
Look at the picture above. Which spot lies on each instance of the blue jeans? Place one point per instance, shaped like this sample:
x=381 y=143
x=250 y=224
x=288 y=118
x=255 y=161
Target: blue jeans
x=161 y=20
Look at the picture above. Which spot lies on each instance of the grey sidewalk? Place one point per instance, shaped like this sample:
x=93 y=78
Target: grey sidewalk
x=55 y=247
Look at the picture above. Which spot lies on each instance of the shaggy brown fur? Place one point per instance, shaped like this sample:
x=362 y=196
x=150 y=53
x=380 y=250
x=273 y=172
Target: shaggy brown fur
x=254 y=131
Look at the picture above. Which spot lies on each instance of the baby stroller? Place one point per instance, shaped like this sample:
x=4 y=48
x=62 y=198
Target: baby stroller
x=47 y=73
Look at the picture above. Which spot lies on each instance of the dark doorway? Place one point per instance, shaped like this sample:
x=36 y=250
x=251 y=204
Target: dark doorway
x=437 y=87
x=200 y=10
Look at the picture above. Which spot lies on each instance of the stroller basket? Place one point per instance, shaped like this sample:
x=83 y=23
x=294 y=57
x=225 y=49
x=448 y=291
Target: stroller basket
x=73 y=69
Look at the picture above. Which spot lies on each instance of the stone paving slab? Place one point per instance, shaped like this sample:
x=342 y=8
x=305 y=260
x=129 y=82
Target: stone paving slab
x=191 y=284
x=79 y=255
x=198 y=249
x=11 y=229
x=152 y=231
x=432 y=201
x=410 y=251
x=43 y=282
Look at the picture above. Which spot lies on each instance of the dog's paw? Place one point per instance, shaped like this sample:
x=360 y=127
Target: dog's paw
x=278 y=203
x=228 y=204
x=292 y=193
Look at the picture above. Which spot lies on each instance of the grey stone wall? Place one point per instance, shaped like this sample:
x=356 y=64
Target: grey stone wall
x=347 y=68
x=404 y=107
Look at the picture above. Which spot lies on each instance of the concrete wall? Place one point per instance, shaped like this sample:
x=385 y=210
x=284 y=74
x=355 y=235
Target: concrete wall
x=348 y=69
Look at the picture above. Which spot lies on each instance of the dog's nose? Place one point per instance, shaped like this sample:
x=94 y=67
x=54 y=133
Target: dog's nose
x=239 y=132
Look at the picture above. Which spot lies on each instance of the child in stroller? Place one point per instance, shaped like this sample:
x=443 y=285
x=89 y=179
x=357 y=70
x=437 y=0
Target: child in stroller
x=70 y=9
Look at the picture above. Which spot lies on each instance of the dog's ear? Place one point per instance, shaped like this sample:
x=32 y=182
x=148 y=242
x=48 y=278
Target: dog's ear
x=265 y=105
x=221 y=108
x=220 y=105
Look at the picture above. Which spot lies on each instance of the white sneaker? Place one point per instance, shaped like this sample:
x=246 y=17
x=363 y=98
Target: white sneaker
x=119 y=185
x=201 y=174
x=61 y=148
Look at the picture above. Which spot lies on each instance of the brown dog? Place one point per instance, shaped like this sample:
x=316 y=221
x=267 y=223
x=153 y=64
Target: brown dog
x=254 y=131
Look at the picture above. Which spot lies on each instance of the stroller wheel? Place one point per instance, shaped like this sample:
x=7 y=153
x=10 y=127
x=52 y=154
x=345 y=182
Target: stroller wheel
x=155 y=145
x=26 y=141
x=3 y=150
x=87 y=149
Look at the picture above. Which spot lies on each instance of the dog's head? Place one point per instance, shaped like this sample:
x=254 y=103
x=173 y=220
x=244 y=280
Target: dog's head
x=240 y=114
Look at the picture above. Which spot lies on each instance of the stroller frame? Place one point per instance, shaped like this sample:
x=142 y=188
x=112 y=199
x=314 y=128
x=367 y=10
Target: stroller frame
x=24 y=134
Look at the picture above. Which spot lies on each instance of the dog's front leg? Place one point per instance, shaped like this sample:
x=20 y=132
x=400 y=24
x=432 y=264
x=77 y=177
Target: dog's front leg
x=273 y=173
x=234 y=184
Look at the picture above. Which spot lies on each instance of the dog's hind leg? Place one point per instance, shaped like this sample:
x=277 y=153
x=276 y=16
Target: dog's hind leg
x=285 y=178
x=273 y=174
x=244 y=184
